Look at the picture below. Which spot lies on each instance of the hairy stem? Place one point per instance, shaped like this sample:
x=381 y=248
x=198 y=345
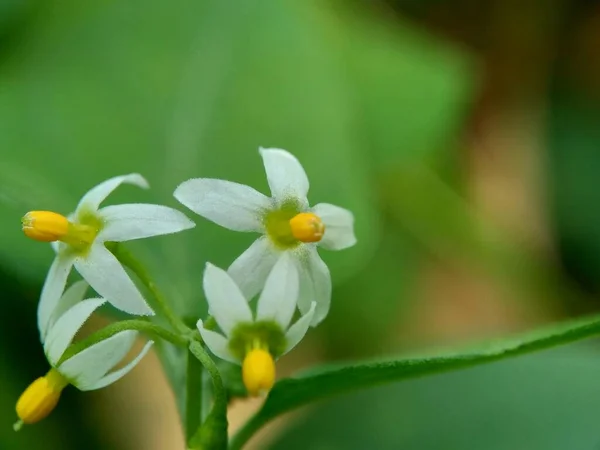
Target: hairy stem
x=150 y=329
x=212 y=434
x=127 y=259
x=220 y=396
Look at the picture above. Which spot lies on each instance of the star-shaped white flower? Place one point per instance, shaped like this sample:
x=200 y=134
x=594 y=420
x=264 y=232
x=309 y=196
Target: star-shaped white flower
x=286 y=220
x=254 y=341
x=87 y=370
x=79 y=241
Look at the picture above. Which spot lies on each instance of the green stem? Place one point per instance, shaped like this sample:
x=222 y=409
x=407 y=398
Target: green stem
x=194 y=397
x=212 y=434
x=220 y=396
x=127 y=259
x=292 y=393
x=150 y=329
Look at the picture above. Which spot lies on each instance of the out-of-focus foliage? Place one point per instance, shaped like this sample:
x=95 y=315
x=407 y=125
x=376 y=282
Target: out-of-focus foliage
x=192 y=89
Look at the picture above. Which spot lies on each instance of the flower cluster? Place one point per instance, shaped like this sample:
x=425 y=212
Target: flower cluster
x=282 y=265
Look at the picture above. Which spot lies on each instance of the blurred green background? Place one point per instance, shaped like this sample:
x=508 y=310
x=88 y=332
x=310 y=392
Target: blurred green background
x=464 y=136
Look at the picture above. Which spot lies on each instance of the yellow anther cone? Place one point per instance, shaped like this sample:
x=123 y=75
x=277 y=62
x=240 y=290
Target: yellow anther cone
x=45 y=226
x=40 y=398
x=258 y=372
x=307 y=227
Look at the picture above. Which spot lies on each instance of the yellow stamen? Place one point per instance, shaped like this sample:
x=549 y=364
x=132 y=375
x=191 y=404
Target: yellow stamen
x=307 y=227
x=45 y=226
x=258 y=372
x=40 y=398
x=48 y=226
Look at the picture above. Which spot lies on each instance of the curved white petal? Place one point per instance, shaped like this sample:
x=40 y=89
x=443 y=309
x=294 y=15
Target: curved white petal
x=137 y=221
x=299 y=329
x=217 y=343
x=251 y=268
x=315 y=284
x=285 y=175
x=62 y=332
x=53 y=290
x=108 y=278
x=231 y=205
x=118 y=374
x=226 y=303
x=339 y=226
x=89 y=366
x=73 y=295
x=92 y=199
x=278 y=298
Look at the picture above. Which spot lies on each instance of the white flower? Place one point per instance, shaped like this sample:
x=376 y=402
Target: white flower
x=87 y=370
x=286 y=220
x=254 y=341
x=82 y=237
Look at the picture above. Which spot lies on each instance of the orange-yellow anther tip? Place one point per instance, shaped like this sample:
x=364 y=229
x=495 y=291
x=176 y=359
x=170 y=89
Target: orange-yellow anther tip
x=307 y=227
x=39 y=399
x=45 y=226
x=258 y=372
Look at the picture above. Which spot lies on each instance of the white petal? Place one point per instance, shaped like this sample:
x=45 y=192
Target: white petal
x=278 y=298
x=108 y=278
x=61 y=333
x=73 y=295
x=298 y=330
x=217 y=343
x=231 y=205
x=92 y=199
x=285 y=174
x=118 y=374
x=315 y=284
x=137 y=221
x=226 y=303
x=339 y=226
x=53 y=290
x=87 y=367
x=251 y=268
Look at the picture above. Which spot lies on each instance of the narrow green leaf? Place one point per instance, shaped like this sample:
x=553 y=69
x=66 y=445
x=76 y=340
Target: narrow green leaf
x=295 y=392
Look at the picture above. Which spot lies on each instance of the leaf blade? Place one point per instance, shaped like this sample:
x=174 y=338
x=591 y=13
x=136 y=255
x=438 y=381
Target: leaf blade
x=292 y=393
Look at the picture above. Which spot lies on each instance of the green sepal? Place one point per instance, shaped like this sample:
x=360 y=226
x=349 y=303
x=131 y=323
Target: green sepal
x=266 y=333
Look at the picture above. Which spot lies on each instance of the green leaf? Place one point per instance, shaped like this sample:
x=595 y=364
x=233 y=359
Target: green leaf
x=546 y=401
x=291 y=393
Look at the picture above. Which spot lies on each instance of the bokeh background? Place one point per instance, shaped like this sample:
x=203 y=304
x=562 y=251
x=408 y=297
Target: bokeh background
x=464 y=135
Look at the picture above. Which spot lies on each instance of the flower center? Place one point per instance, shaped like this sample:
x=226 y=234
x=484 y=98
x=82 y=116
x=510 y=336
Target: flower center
x=265 y=334
x=288 y=226
x=258 y=372
x=40 y=398
x=48 y=226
